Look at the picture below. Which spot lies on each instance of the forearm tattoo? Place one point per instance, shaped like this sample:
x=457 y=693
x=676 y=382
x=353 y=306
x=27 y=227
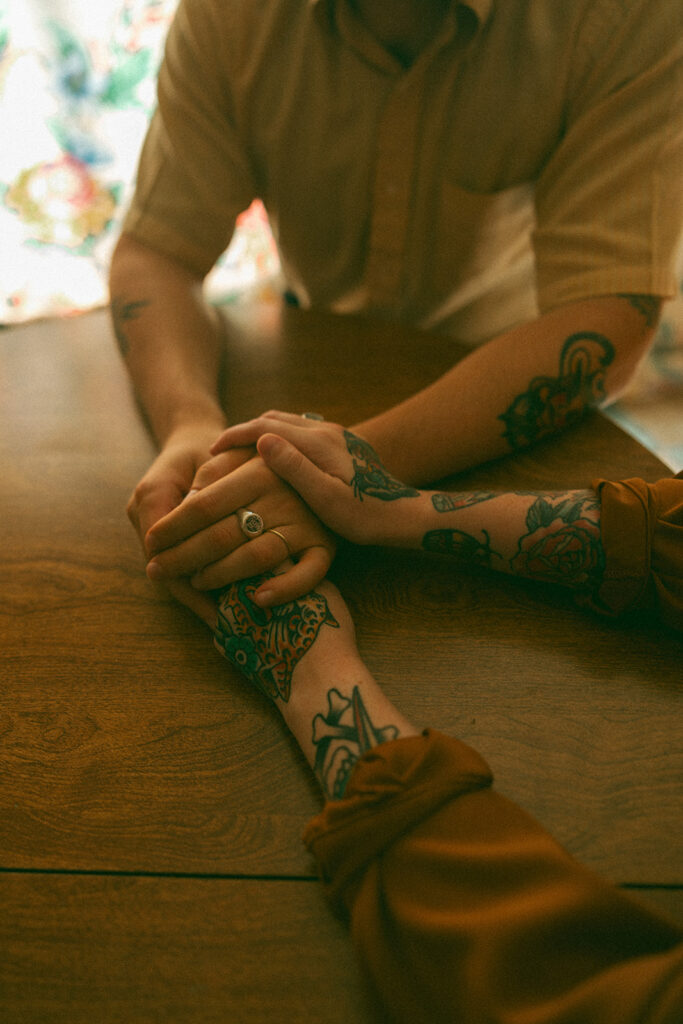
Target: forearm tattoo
x=563 y=543
x=455 y=501
x=266 y=644
x=341 y=737
x=121 y=314
x=648 y=306
x=370 y=476
x=462 y=546
x=552 y=403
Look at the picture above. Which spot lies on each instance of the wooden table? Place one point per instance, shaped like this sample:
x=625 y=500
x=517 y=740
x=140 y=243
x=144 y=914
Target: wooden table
x=151 y=804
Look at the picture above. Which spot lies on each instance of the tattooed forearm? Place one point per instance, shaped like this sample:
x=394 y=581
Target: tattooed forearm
x=121 y=314
x=558 y=540
x=563 y=542
x=649 y=307
x=266 y=644
x=463 y=546
x=341 y=736
x=552 y=403
x=462 y=499
x=370 y=476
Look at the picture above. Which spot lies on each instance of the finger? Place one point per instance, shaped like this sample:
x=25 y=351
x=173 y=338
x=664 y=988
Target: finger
x=209 y=505
x=204 y=548
x=303 y=577
x=263 y=554
x=221 y=465
x=250 y=431
x=318 y=489
x=203 y=605
x=148 y=507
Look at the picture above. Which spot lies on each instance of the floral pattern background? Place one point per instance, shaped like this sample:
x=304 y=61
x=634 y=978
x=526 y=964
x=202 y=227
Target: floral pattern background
x=77 y=88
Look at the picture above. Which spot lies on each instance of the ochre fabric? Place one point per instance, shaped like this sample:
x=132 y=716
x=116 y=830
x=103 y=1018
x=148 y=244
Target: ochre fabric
x=463 y=909
x=533 y=143
x=641 y=527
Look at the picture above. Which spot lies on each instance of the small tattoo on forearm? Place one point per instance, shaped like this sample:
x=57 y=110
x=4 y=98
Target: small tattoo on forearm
x=464 y=499
x=463 y=546
x=649 y=307
x=552 y=403
x=341 y=737
x=266 y=644
x=121 y=314
x=370 y=476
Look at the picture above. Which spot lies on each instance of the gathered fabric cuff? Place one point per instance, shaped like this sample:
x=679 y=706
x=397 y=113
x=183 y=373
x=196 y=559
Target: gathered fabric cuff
x=392 y=788
x=641 y=527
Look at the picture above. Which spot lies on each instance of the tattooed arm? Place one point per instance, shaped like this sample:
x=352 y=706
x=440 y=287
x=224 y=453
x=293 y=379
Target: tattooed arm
x=302 y=655
x=171 y=342
x=552 y=536
x=522 y=386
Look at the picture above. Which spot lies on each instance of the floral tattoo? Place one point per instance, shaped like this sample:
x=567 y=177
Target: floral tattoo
x=563 y=543
x=552 y=403
x=370 y=476
x=266 y=644
x=340 y=737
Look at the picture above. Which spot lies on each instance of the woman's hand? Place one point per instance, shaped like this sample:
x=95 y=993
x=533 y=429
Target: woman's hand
x=268 y=644
x=338 y=474
x=202 y=538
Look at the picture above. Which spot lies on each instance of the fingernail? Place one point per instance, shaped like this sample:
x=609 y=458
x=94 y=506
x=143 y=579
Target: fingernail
x=270 y=445
x=263 y=598
x=154 y=572
x=195 y=490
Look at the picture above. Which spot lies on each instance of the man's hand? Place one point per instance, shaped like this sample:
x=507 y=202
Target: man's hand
x=163 y=488
x=201 y=538
x=337 y=473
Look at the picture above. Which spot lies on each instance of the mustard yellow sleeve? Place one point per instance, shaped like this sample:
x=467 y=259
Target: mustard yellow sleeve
x=641 y=528
x=194 y=176
x=609 y=201
x=462 y=908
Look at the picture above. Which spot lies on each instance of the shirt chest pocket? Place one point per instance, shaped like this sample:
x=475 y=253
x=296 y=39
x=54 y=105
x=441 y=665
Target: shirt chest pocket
x=482 y=234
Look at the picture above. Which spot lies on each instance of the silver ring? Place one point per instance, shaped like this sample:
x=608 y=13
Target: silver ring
x=312 y=416
x=283 y=539
x=250 y=522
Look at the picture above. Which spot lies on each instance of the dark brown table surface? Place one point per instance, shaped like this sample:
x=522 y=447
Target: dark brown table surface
x=151 y=804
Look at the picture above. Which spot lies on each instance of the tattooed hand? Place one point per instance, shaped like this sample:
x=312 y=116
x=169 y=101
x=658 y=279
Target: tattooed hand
x=337 y=473
x=267 y=644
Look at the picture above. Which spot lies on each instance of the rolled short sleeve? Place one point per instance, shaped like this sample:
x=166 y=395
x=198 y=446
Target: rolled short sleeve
x=609 y=202
x=193 y=177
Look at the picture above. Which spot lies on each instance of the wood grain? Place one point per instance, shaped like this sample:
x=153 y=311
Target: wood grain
x=128 y=745
x=79 y=950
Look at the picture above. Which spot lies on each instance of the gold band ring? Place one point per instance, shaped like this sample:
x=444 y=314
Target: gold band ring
x=283 y=539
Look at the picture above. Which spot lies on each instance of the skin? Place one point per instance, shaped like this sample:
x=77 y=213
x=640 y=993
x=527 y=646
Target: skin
x=549 y=536
x=172 y=344
x=314 y=677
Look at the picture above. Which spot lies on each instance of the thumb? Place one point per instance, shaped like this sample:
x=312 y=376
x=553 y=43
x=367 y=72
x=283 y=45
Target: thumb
x=289 y=464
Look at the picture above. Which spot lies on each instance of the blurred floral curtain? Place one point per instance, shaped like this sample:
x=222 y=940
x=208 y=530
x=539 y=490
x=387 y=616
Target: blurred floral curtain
x=77 y=88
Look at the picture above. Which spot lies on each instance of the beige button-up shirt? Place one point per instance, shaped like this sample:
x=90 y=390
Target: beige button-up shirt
x=531 y=156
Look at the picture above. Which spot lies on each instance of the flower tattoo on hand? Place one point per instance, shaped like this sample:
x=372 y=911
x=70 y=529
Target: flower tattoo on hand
x=266 y=644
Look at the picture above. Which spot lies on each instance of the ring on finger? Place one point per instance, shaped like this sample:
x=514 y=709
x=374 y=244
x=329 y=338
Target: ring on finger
x=250 y=523
x=283 y=539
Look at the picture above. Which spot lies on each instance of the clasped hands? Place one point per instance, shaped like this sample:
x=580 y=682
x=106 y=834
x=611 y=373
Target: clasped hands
x=297 y=474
